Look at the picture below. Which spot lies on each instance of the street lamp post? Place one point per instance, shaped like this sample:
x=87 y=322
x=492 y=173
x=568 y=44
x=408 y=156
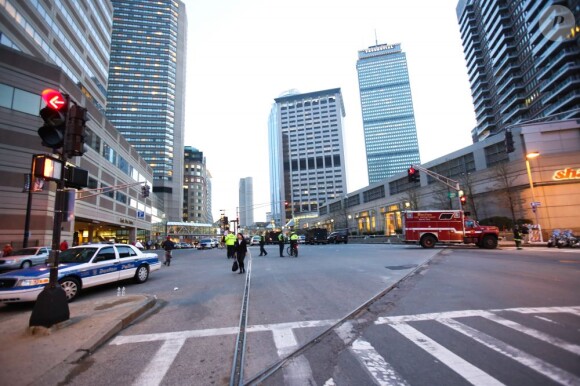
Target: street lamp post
x=534 y=204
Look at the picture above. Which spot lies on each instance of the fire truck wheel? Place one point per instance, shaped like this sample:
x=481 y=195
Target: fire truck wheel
x=428 y=241
x=489 y=242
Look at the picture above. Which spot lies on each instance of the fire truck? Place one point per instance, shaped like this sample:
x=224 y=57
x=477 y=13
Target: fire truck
x=428 y=227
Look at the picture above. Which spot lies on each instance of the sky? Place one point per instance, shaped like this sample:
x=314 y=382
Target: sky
x=241 y=54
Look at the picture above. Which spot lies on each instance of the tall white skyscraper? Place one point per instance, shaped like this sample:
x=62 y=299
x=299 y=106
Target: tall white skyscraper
x=246 y=200
x=307 y=165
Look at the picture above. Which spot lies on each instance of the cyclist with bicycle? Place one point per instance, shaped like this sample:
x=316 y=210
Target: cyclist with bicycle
x=294 y=244
x=168 y=245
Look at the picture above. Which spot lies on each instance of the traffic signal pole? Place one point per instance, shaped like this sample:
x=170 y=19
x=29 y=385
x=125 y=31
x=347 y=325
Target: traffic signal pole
x=51 y=306
x=444 y=180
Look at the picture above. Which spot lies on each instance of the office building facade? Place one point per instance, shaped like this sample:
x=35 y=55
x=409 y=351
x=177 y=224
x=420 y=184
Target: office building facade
x=307 y=165
x=246 y=202
x=146 y=92
x=196 y=188
x=387 y=111
x=522 y=59
x=45 y=45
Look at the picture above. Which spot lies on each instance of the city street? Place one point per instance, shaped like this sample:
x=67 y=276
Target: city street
x=466 y=316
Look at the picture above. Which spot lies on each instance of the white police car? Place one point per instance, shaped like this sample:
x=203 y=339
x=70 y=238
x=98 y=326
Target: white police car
x=80 y=267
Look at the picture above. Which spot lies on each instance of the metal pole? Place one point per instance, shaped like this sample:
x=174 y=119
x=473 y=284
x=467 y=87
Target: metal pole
x=534 y=208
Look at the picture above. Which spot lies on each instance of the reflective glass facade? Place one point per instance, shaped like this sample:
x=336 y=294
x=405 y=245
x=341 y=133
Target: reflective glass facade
x=307 y=165
x=246 y=201
x=387 y=111
x=147 y=89
x=196 y=188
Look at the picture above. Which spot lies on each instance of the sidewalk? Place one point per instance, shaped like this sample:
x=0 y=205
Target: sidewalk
x=44 y=356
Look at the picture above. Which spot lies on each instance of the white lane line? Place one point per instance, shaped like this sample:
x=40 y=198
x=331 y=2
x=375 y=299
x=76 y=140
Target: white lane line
x=217 y=331
x=160 y=363
x=573 y=348
x=472 y=374
x=284 y=340
x=469 y=313
x=558 y=375
x=375 y=364
x=298 y=371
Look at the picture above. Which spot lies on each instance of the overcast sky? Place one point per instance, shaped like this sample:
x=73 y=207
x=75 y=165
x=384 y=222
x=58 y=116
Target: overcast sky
x=243 y=54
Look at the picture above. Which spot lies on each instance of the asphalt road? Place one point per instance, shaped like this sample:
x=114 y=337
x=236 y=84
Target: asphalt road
x=452 y=316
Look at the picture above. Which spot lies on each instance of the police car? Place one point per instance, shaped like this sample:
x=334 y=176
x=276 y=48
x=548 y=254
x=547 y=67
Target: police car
x=80 y=267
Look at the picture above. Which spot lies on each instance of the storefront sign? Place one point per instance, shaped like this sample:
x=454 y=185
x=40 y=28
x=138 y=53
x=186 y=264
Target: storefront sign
x=566 y=174
x=125 y=221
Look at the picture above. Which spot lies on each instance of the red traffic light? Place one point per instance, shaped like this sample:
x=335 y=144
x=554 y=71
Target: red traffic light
x=463 y=200
x=54 y=99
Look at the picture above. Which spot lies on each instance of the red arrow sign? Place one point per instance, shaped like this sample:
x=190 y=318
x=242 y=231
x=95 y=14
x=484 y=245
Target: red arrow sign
x=54 y=99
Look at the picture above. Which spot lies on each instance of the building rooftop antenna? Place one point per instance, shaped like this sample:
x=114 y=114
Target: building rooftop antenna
x=376 y=40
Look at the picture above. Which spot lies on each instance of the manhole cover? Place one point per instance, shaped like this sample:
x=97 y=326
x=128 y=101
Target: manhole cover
x=400 y=267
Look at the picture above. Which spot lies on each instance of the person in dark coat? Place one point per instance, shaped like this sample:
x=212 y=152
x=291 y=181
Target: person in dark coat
x=517 y=237
x=168 y=245
x=241 y=248
x=262 y=243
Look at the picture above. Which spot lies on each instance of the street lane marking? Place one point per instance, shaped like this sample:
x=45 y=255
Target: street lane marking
x=472 y=374
x=375 y=364
x=160 y=363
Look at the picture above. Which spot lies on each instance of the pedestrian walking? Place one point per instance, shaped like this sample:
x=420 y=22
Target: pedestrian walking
x=262 y=243
x=281 y=243
x=517 y=237
x=63 y=246
x=241 y=248
x=168 y=245
x=7 y=251
x=230 y=241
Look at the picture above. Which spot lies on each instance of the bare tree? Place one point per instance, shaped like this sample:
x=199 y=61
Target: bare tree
x=504 y=185
x=412 y=197
x=442 y=200
x=467 y=183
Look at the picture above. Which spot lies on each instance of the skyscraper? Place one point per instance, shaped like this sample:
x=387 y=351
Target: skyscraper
x=387 y=111
x=196 y=188
x=522 y=60
x=307 y=165
x=147 y=89
x=246 y=201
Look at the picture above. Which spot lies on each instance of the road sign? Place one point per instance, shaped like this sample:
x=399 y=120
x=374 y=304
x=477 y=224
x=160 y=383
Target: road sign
x=140 y=214
x=452 y=194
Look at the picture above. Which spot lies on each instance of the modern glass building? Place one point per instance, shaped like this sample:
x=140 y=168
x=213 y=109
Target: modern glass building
x=146 y=92
x=523 y=60
x=246 y=202
x=307 y=165
x=387 y=111
x=196 y=188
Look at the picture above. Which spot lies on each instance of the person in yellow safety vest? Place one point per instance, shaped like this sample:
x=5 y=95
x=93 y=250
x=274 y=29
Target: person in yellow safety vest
x=293 y=240
x=281 y=243
x=230 y=241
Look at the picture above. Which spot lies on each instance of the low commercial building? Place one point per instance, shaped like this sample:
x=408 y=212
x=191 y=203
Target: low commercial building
x=538 y=182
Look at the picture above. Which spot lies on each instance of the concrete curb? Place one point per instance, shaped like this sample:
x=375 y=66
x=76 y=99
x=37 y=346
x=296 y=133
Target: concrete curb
x=60 y=373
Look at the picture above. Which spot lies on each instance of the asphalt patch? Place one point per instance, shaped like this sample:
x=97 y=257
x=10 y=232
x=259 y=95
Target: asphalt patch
x=401 y=267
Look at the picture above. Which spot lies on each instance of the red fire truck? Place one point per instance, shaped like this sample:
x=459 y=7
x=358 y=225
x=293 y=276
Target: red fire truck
x=428 y=227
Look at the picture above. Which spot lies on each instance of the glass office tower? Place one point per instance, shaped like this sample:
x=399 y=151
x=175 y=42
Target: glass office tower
x=147 y=89
x=246 y=202
x=523 y=60
x=196 y=188
x=387 y=111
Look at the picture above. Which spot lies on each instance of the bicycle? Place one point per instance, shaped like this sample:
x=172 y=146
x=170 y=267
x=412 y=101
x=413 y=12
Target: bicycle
x=290 y=251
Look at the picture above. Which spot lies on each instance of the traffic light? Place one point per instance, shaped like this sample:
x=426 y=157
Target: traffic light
x=509 y=141
x=463 y=200
x=54 y=115
x=286 y=204
x=413 y=174
x=145 y=190
x=226 y=221
x=74 y=142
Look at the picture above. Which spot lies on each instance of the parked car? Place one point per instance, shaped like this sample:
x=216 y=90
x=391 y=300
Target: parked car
x=255 y=240
x=340 y=236
x=80 y=267
x=25 y=258
x=301 y=239
x=215 y=243
x=183 y=245
x=316 y=236
x=205 y=244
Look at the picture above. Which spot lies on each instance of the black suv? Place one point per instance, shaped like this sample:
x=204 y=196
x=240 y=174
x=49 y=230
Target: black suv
x=338 y=237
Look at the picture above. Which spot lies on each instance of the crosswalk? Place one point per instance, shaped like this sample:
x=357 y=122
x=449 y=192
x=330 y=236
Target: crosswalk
x=373 y=360
x=384 y=374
